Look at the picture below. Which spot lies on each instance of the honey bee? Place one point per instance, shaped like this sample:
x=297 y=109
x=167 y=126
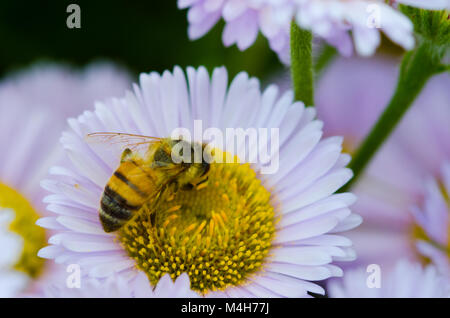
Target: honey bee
x=143 y=176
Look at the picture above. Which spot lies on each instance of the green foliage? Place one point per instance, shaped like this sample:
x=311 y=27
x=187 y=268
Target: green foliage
x=430 y=25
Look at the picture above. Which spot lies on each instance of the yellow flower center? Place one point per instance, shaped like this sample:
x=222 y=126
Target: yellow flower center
x=24 y=224
x=220 y=233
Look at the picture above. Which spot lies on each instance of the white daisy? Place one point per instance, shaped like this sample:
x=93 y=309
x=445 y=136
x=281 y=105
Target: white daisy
x=34 y=105
x=406 y=280
x=259 y=239
x=244 y=19
x=329 y=19
x=119 y=287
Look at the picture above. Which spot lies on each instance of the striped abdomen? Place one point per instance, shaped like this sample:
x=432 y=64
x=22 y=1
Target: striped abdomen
x=126 y=191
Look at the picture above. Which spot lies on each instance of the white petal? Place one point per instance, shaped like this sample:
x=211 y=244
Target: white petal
x=321 y=189
x=311 y=228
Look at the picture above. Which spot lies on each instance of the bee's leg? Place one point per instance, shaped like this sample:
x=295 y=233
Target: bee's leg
x=126 y=155
x=192 y=185
x=175 y=186
x=203 y=181
x=171 y=185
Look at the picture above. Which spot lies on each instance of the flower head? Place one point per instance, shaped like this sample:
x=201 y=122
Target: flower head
x=406 y=280
x=332 y=20
x=237 y=233
x=34 y=105
x=244 y=20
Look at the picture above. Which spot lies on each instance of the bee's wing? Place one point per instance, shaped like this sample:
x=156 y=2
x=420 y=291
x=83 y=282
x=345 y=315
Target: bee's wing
x=136 y=143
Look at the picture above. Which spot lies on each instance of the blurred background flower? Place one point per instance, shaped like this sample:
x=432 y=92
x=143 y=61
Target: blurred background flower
x=432 y=220
x=335 y=21
x=34 y=106
x=405 y=280
x=350 y=97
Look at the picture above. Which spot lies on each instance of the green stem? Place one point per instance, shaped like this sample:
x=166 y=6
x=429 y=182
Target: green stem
x=302 y=64
x=417 y=68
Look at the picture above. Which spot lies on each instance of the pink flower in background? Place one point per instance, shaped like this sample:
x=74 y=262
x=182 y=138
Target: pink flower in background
x=41 y=99
x=331 y=20
x=350 y=97
x=433 y=217
x=34 y=106
x=405 y=280
x=244 y=20
x=355 y=88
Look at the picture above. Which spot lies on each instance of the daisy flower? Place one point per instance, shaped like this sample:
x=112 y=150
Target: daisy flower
x=119 y=287
x=242 y=233
x=406 y=280
x=33 y=107
x=349 y=102
x=331 y=20
x=244 y=20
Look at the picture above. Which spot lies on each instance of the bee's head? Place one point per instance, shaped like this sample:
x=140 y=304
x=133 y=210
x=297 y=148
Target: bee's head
x=189 y=158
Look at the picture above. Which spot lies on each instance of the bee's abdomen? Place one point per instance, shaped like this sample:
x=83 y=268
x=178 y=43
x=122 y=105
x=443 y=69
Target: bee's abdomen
x=126 y=192
x=114 y=210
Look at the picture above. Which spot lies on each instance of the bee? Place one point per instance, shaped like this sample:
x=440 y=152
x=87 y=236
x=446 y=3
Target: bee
x=143 y=175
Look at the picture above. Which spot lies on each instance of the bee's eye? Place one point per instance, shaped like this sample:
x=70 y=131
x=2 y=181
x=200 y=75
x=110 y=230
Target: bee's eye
x=162 y=156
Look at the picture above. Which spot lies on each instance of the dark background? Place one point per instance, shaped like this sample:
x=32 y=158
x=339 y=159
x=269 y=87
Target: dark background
x=143 y=36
